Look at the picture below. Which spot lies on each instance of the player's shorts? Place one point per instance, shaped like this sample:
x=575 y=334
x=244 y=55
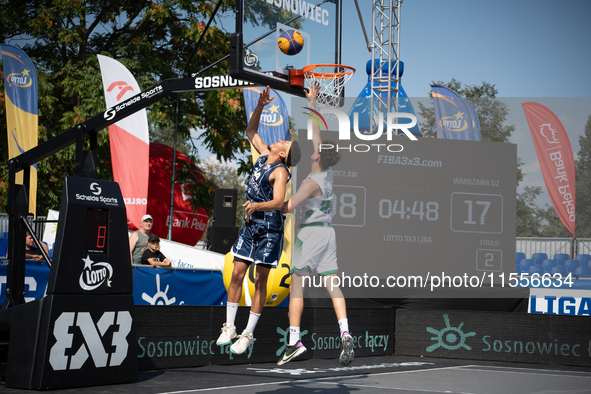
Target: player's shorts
x=315 y=249
x=259 y=243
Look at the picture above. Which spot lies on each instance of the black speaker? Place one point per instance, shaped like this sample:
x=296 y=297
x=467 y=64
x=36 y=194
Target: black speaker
x=224 y=207
x=221 y=238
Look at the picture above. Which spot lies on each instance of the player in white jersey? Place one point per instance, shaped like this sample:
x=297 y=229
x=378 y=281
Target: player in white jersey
x=315 y=245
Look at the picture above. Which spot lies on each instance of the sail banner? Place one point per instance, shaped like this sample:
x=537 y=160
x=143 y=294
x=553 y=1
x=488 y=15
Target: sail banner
x=22 y=114
x=555 y=156
x=129 y=139
x=455 y=118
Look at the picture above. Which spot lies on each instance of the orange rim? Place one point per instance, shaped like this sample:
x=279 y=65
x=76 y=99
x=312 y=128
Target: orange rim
x=323 y=75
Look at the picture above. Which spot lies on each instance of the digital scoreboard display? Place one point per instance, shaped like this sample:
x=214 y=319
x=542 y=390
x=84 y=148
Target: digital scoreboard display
x=430 y=209
x=97 y=225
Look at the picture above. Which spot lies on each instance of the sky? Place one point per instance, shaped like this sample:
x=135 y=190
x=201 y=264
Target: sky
x=529 y=49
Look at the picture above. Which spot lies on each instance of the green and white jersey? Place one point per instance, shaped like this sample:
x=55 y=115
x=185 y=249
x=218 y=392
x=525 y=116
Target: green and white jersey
x=318 y=209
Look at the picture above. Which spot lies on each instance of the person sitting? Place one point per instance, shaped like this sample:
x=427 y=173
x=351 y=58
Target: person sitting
x=153 y=255
x=32 y=252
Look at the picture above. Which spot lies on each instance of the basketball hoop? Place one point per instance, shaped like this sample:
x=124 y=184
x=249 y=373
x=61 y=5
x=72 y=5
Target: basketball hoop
x=331 y=79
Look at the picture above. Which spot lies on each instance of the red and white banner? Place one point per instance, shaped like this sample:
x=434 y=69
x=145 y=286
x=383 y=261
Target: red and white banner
x=130 y=149
x=555 y=156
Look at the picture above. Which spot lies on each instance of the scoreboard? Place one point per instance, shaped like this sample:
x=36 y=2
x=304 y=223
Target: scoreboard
x=423 y=208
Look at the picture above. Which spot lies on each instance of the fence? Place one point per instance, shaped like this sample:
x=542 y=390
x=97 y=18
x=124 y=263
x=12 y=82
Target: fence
x=551 y=246
x=36 y=226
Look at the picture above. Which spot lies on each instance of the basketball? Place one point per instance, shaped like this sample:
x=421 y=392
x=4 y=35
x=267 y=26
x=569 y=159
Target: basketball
x=291 y=42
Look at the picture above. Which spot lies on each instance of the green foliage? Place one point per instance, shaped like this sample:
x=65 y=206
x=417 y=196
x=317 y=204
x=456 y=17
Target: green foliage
x=153 y=39
x=528 y=221
x=583 y=188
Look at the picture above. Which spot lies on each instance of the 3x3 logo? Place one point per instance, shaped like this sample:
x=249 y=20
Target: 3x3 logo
x=69 y=326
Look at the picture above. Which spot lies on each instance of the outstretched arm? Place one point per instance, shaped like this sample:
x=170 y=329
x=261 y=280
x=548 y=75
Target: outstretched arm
x=309 y=188
x=316 y=138
x=253 y=125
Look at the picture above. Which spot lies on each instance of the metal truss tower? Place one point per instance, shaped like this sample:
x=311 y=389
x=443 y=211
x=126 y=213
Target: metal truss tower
x=385 y=54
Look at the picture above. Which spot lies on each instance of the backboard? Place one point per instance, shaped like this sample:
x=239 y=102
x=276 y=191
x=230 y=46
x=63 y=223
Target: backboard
x=255 y=55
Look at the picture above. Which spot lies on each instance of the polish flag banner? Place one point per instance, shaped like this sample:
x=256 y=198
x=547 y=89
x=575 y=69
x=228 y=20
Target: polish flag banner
x=555 y=156
x=130 y=144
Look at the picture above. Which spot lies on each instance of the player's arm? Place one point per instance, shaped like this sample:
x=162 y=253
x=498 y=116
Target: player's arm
x=309 y=188
x=316 y=138
x=253 y=124
x=279 y=180
x=133 y=238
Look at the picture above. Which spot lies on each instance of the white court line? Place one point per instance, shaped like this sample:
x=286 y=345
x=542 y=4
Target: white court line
x=308 y=381
x=521 y=371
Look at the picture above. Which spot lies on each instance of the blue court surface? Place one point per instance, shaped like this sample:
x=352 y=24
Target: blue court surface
x=385 y=374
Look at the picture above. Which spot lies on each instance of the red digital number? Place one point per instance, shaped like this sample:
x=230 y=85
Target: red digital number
x=100 y=239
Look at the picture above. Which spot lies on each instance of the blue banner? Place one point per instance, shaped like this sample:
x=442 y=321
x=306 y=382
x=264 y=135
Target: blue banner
x=160 y=286
x=151 y=286
x=455 y=118
x=22 y=110
x=36 y=278
x=274 y=124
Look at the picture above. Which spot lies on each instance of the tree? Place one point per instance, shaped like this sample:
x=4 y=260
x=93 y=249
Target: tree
x=153 y=39
x=165 y=135
x=583 y=190
x=528 y=221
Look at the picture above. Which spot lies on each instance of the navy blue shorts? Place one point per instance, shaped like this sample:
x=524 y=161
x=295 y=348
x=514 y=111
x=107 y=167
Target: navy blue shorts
x=259 y=243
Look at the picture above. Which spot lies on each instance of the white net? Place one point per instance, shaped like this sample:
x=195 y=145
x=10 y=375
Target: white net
x=331 y=78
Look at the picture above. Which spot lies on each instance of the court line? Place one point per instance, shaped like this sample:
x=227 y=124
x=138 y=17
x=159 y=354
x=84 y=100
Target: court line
x=305 y=381
x=521 y=371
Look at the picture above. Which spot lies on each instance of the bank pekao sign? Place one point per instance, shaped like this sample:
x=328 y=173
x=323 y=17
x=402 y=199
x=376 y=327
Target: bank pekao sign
x=496 y=336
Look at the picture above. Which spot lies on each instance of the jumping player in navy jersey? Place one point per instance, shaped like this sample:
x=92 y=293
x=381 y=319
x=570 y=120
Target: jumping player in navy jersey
x=260 y=240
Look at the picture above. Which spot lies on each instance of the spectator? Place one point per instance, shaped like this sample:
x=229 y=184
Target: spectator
x=153 y=256
x=32 y=251
x=138 y=240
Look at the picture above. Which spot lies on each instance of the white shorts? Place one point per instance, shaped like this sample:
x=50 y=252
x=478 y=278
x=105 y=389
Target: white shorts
x=315 y=249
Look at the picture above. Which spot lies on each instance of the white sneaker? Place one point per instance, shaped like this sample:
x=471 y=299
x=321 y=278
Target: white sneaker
x=243 y=343
x=228 y=333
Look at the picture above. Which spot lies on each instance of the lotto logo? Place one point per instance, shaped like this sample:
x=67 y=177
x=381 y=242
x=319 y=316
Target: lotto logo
x=92 y=334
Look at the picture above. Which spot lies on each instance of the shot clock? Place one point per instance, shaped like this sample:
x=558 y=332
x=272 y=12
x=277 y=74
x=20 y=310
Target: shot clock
x=92 y=248
x=434 y=207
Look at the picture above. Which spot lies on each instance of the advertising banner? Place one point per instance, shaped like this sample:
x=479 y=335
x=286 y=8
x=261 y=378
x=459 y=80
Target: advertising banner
x=555 y=156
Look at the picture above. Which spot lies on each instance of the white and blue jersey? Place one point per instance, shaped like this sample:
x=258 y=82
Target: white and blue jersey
x=261 y=239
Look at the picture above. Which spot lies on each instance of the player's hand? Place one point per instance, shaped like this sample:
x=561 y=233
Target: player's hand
x=249 y=209
x=312 y=93
x=264 y=99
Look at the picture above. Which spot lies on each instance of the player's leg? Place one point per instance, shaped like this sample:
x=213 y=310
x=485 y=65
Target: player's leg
x=295 y=347
x=234 y=294
x=328 y=268
x=258 y=301
x=340 y=308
